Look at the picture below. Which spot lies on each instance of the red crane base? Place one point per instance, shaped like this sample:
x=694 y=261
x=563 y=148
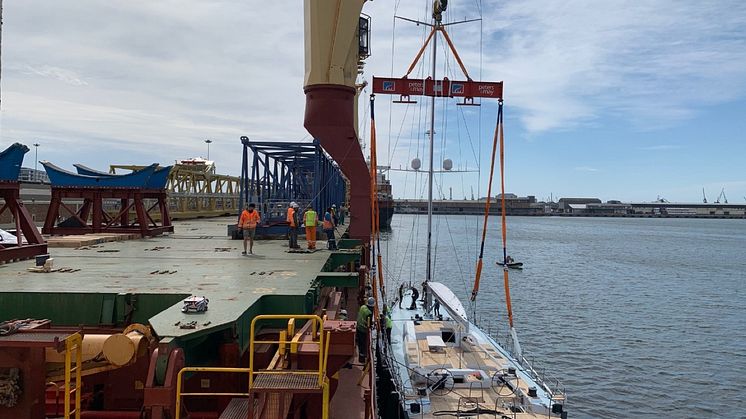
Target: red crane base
x=35 y=244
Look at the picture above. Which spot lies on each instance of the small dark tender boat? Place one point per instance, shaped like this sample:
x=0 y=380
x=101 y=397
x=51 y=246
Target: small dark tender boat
x=512 y=265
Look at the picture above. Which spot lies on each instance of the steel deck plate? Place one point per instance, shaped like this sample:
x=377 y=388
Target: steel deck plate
x=204 y=262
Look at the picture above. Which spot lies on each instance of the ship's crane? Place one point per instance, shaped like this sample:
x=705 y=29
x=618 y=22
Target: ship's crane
x=704 y=197
x=722 y=195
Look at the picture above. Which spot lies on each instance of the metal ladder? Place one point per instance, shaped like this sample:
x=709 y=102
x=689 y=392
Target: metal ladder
x=73 y=353
x=269 y=381
x=291 y=381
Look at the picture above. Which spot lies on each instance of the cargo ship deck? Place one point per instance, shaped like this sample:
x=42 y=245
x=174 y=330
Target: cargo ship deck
x=148 y=278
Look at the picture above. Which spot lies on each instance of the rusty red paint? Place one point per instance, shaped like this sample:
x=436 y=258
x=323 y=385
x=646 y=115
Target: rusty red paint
x=330 y=119
x=24 y=223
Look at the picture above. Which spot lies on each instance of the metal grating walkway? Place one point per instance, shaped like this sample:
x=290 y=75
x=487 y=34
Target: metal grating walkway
x=236 y=409
x=296 y=381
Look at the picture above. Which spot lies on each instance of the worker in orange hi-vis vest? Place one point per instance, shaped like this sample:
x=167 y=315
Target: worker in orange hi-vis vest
x=247 y=223
x=311 y=220
x=293 y=220
x=328 y=226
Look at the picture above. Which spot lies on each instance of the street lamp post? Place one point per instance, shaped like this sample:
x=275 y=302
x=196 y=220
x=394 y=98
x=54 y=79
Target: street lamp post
x=36 y=158
x=208 y=148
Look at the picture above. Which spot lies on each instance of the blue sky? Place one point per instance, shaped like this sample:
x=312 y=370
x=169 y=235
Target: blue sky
x=618 y=100
x=624 y=100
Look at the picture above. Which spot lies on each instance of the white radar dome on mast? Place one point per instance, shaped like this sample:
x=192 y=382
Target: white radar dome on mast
x=447 y=164
x=416 y=163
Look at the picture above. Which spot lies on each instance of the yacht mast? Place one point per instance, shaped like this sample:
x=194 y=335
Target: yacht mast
x=405 y=87
x=438 y=9
x=428 y=273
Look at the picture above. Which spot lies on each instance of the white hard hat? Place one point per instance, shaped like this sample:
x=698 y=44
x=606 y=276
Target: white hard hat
x=343 y=311
x=334 y=205
x=293 y=204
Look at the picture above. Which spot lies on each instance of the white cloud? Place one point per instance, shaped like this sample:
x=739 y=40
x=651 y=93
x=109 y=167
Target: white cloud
x=151 y=78
x=651 y=63
x=162 y=76
x=585 y=169
x=61 y=74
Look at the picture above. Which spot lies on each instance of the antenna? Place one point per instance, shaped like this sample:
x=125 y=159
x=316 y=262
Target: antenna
x=704 y=197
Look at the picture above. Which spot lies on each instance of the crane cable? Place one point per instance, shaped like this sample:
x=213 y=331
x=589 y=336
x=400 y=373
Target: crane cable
x=376 y=209
x=504 y=224
x=375 y=233
x=514 y=336
x=498 y=138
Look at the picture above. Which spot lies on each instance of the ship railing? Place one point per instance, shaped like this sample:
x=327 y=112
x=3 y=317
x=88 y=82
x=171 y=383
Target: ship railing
x=317 y=327
x=549 y=383
x=527 y=361
x=180 y=394
x=277 y=208
x=393 y=367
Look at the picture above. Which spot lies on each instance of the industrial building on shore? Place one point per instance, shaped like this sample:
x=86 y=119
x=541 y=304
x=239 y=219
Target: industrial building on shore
x=35 y=192
x=575 y=207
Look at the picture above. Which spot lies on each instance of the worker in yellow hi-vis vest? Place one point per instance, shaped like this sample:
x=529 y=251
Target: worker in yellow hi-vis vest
x=311 y=220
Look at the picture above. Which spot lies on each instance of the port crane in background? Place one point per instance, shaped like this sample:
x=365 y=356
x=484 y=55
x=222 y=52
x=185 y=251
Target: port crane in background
x=704 y=197
x=722 y=195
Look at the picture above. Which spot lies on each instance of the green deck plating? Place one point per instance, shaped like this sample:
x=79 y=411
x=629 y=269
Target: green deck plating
x=146 y=280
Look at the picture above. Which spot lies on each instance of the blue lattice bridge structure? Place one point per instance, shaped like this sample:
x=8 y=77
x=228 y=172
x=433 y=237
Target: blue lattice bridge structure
x=275 y=173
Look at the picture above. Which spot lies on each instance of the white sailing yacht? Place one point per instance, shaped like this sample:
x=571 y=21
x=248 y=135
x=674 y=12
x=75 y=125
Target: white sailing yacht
x=439 y=362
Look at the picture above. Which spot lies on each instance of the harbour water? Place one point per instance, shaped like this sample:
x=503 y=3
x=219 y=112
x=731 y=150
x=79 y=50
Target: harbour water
x=638 y=317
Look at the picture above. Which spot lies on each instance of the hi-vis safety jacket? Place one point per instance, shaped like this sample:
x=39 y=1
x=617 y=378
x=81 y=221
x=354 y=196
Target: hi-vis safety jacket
x=311 y=218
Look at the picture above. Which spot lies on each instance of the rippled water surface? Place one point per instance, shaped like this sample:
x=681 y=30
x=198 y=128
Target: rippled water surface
x=638 y=317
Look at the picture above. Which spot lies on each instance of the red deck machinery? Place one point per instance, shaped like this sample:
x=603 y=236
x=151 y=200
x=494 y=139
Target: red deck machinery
x=10 y=250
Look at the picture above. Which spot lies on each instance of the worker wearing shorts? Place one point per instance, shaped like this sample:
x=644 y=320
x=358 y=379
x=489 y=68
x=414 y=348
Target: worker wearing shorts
x=248 y=222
